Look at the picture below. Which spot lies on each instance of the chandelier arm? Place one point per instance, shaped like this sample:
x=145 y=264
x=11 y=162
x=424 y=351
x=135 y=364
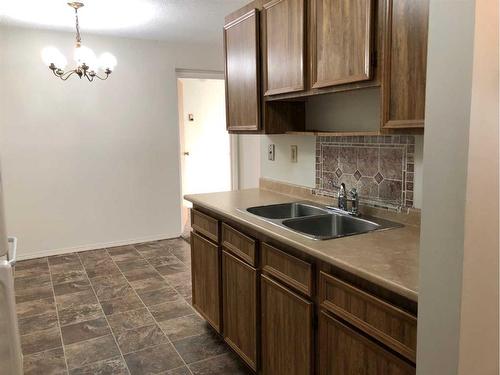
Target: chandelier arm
x=66 y=75
x=101 y=78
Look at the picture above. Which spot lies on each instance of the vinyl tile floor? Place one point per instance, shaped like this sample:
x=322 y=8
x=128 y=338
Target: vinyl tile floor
x=122 y=310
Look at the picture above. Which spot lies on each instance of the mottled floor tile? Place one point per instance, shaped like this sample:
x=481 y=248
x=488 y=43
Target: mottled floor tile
x=32 y=272
x=152 y=283
x=69 y=276
x=112 y=287
x=186 y=326
x=124 y=253
x=93 y=254
x=172 y=268
x=76 y=299
x=166 y=260
x=171 y=310
x=36 y=307
x=37 y=323
x=105 y=269
x=41 y=341
x=131 y=265
x=181 y=249
x=197 y=348
x=140 y=338
x=113 y=366
x=25 y=295
x=153 y=360
x=156 y=297
x=226 y=364
x=85 y=331
x=130 y=320
x=65 y=258
x=65 y=267
x=152 y=250
x=80 y=313
x=71 y=287
x=178 y=371
x=140 y=274
x=49 y=362
x=118 y=305
x=91 y=351
x=31 y=263
x=179 y=279
x=31 y=281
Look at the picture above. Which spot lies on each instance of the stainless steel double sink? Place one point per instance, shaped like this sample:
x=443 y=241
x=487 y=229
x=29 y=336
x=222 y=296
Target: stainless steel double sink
x=318 y=222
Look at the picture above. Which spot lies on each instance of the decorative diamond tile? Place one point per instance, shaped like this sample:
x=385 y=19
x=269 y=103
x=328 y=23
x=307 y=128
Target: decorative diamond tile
x=357 y=175
x=338 y=172
x=379 y=178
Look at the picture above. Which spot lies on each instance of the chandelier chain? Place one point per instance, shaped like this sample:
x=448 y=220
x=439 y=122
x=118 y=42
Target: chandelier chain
x=78 y=36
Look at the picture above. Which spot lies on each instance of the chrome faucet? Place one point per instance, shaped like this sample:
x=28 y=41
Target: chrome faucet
x=342 y=197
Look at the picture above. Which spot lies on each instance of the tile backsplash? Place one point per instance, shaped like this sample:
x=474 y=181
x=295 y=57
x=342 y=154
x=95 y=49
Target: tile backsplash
x=381 y=168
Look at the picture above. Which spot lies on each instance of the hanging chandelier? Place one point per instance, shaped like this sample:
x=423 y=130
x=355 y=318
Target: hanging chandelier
x=88 y=65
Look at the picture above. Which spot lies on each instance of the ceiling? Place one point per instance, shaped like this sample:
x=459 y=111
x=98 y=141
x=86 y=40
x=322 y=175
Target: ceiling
x=169 y=20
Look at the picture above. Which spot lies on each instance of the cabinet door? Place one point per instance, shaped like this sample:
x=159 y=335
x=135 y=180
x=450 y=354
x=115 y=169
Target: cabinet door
x=342 y=351
x=286 y=330
x=340 y=41
x=283 y=46
x=405 y=61
x=241 y=46
x=205 y=268
x=239 y=282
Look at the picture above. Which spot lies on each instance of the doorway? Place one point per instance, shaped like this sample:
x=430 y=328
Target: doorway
x=207 y=150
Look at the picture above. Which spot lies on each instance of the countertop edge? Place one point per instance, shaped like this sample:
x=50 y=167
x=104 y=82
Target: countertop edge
x=377 y=280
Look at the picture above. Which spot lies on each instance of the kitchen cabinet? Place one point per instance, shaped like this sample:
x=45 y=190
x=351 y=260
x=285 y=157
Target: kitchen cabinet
x=243 y=98
x=287 y=329
x=283 y=46
x=239 y=282
x=343 y=351
x=341 y=38
x=405 y=62
x=205 y=270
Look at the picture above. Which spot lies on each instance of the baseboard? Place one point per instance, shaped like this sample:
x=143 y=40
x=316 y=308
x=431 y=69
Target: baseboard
x=67 y=250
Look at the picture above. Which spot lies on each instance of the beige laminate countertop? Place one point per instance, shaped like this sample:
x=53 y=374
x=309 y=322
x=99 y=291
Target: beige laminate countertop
x=388 y=258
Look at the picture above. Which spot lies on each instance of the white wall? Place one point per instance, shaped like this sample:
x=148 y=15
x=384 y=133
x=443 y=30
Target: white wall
x=282 y=169
x=85 y=165
x=249 y=161
x=448 y=95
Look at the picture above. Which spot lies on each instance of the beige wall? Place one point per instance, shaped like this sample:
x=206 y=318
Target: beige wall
x=479 y=347
x=90 y=165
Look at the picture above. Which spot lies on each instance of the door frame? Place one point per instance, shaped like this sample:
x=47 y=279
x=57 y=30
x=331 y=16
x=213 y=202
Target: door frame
x=233 y=138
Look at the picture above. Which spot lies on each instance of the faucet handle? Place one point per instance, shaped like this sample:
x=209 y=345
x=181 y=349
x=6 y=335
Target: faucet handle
x=353 y=193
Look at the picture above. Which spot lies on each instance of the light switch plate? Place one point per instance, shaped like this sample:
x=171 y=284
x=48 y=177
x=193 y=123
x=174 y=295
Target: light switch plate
x=270 y=152
x=293 y=153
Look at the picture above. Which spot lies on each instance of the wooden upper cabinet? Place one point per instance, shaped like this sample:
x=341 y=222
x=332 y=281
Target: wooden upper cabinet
x=340 y=41
x=283 y=46
x=241 y=46
x=405 y=51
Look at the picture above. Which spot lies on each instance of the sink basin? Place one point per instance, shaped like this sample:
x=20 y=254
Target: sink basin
x=286 y=210
x=316 y=221
x=330 y=226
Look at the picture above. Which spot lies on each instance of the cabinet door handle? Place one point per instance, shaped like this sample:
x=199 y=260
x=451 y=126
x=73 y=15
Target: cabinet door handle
x=185 y=153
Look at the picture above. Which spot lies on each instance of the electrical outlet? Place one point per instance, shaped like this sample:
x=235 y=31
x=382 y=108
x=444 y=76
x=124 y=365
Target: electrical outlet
x=293 y=153
x=270 y=152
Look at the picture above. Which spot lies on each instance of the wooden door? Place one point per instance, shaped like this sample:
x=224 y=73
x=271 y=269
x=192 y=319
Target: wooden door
x=342 y=351
x=286 y=330
x=239 y=282
x=241 y=47
x=340 y=41
x=205 y=268
x=405 y=63
x=283 y=48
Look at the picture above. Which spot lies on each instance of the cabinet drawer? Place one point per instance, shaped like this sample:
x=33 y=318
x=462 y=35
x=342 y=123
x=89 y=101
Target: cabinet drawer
x=288 y=269
x=204 y=224
x=239 y=244
x=386 y=323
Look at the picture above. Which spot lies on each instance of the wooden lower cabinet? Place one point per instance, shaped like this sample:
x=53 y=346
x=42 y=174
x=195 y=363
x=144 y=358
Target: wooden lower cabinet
x=342 y=351
x=287 y=330
x=239 y=282
x=205 y=269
